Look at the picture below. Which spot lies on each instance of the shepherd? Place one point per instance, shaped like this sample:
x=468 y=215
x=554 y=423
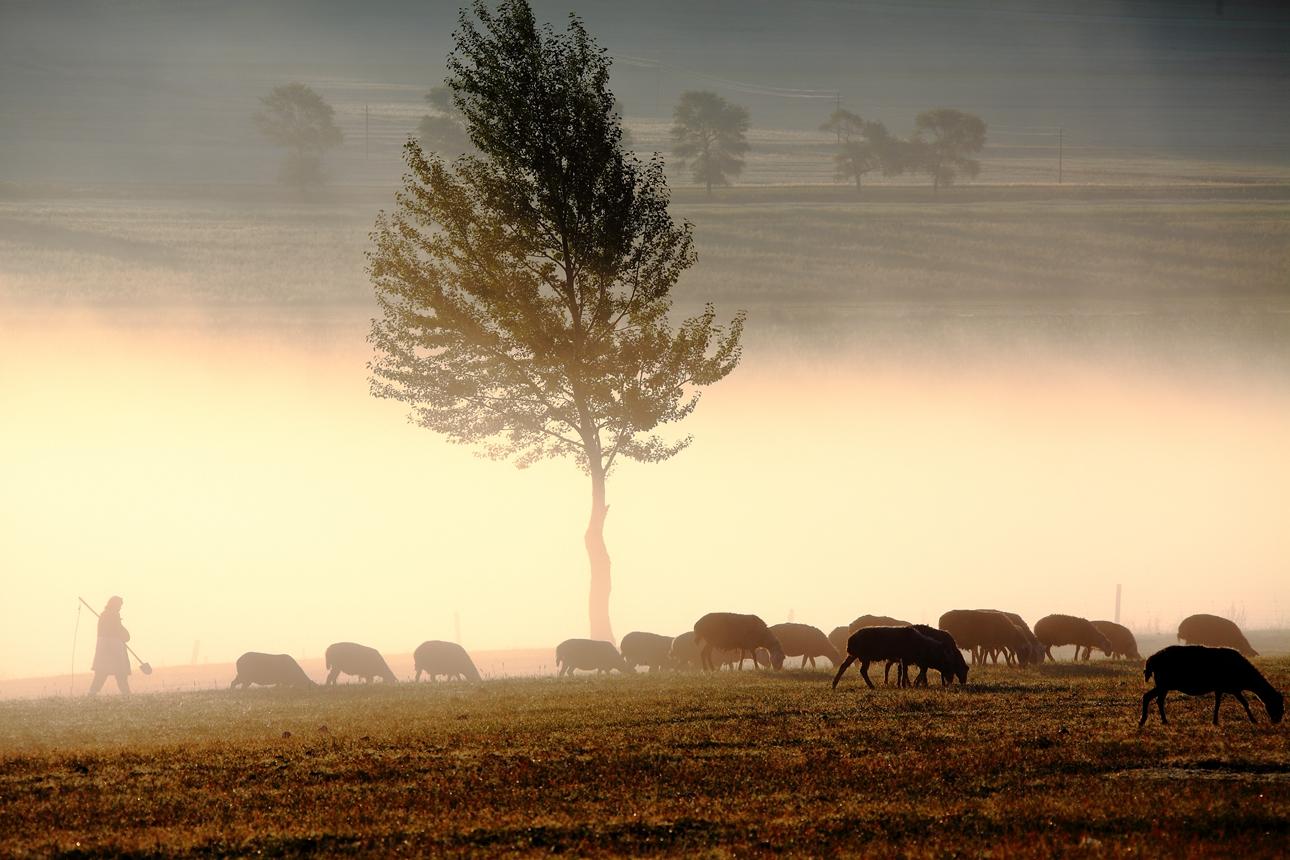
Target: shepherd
x=110 y=657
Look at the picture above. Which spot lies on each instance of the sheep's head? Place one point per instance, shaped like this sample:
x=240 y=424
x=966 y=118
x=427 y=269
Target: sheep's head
x=1276 y=705
x=777 y=657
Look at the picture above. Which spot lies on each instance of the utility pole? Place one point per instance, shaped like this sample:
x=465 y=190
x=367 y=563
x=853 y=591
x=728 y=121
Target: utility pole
x=837 y=108
x=1117 y=603
x=366 y=148
x=1059 y=182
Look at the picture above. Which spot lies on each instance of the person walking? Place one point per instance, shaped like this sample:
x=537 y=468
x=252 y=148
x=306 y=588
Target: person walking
x=110 y=656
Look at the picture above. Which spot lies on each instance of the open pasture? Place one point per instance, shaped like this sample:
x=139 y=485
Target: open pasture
x=1019 y=762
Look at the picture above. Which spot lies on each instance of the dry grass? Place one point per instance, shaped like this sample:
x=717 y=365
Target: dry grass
x=1029 y=762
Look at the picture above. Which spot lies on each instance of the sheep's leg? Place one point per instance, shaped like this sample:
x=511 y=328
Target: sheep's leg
x=1218 y=697
x=864 y=673
x=1146 y=704
x=1245 y=703
x=332 y=675
x=1160 y=700
x=845 y=663
x=705 y=656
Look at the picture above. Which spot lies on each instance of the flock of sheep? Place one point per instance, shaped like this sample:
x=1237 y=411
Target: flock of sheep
x=1214 y=661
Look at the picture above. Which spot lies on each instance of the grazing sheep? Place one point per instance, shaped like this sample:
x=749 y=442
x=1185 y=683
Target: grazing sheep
x=646 y=649
x=686 y=654
x=903 y=645
x=1057 y=630
x=590 y=655
x=733 y=631
x=981 y=631
x=805 y=641
x=436 y=657
x=1123 y=645
x=954 y=666
x=838 y=639
x=1198 y=670
x=353 y=659
x=1216 y=631
x=874 y=621
x=1031 y=652
x=269 y=670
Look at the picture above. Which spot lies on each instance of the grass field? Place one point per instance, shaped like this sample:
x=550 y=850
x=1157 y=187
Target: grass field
x=1017 y=763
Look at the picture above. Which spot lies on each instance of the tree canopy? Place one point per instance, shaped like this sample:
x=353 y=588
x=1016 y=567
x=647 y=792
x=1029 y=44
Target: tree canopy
x=295 y=116
x=525 y=290
x=863 y=147
x=710 y=134
x=944 y=141
x=444 y=131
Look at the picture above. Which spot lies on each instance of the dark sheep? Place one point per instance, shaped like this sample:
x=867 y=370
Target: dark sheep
x=353 y=659
x=732 y=631
x=1198 y=670
x=805 y=641
x=436 y=657
x=1123 y=644
x=980 y=631
x=1215 y=631
x=589 y=655
x=1057 y=630
x=269 y=670
x=903 y=645
x=686 y=654
x=646 y=649
x=954 y=666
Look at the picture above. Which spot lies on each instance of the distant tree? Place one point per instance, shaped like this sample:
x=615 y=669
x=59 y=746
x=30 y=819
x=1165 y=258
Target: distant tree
x=863 y=147
x=444 y=131
x=710 y=134
x=525 y=291
x=296 y=117
x=943 y=141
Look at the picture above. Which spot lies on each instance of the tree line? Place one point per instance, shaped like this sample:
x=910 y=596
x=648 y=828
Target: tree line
x=709 y=138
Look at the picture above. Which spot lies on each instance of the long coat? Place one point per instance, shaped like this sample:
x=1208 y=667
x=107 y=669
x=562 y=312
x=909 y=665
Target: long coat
x=110 y=657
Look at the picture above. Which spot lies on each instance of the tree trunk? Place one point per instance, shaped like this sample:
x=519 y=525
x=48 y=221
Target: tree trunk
x=598 y=556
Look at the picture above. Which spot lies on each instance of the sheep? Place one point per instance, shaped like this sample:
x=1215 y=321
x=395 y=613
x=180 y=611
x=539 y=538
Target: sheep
x=1123 y=645
x=1057 y=630
x=874 y=621
x=894 y=644
x=1031 y=652
x=734 y=631
x=1198 y=669
x=353 y=659
x=838 y=639
x=589 y=654
x=953 y=666
x=1216 y=631
x=980 y=631
x=646 y=649
x=686 y=654
x=269 y=670
x=805 y=641
x=435 y=657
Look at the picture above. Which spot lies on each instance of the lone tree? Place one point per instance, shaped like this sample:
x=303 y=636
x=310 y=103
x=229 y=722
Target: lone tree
x=444 y=131
x=863 y=147
x=944 y=141
x=710 y=134
x=296 y=117
x=525 y=290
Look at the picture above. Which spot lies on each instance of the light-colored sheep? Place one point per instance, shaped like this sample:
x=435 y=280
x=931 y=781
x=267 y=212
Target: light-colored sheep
x=436 y=657
x=269 y=670
x=733 y=631
x=589 y=655
x=646 y=649
x=980 y=631
x=353 y=659
x=1123 y=643
x=1057 y=630
x=805 y=641
x=1215 y=631
x=1198 y=670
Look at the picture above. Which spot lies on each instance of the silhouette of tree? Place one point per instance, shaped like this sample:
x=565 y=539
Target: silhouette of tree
x=710 y=134
x=943 y=141
x=863 y=147
x=525 y=291
x=444 y=131
x=296 y=117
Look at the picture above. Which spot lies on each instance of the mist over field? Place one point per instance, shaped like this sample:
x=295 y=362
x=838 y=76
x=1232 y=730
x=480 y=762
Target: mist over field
x=1011 y=393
